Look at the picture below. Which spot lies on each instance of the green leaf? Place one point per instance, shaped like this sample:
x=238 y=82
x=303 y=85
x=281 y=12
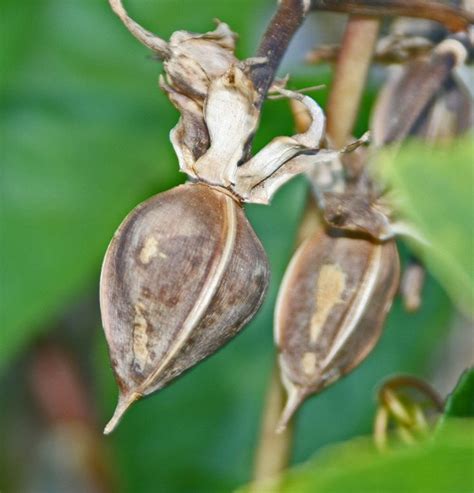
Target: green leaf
x=460 y=403
x=435 y=187
x=440 y=465
x=84 y=139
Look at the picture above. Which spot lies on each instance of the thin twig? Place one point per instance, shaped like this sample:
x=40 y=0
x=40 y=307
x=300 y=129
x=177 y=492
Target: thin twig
x=350 y=76
x=454 y=19
x=284 y=24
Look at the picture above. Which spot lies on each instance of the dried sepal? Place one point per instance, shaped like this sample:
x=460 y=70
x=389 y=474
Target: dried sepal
x=284 y=157
x=191 y=62
x=198 y=59
x=182 y=275
x=150 y=40
x=190 y=137
x=358 y=213
x=231 y=117
x=330 y=310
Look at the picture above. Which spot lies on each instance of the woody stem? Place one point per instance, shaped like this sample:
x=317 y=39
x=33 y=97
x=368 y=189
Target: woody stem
x=350 y=75
x=452 y=17
x=276 y=39
x=274 y=449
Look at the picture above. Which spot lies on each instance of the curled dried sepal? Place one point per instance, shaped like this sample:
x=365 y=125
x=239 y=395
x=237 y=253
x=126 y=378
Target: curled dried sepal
x=330 y=310
x=149 y=39
x=181 y=277
x=284 y=157
x=227 y=122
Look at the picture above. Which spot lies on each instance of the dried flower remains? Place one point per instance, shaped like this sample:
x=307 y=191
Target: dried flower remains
x=185 y=270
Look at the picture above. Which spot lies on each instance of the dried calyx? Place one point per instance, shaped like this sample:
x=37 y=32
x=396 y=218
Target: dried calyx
x=185 y=271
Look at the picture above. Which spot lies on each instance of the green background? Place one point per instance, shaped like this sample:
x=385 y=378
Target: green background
x=84 y=132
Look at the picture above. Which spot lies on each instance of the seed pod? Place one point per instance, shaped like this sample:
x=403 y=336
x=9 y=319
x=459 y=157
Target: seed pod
x=330 y=310
x=182 y=275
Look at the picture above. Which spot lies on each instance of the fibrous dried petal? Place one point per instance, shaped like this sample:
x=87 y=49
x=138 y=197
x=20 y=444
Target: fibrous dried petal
x=284 y=157
x=189 y=137
x=198 y=59
x=231 y=117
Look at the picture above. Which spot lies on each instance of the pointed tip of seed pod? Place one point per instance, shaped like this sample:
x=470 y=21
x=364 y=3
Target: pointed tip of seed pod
x=124 y=402
x=296 y=397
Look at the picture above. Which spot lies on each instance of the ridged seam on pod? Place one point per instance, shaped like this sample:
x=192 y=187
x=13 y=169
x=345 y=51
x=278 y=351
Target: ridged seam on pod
x=330 y=310
x=183 y=274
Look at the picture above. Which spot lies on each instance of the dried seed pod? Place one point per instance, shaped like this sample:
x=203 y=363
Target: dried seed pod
x=182 y=275
x=332 y=303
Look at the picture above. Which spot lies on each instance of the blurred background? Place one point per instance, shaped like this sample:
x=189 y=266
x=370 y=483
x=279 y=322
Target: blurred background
x=84 y=138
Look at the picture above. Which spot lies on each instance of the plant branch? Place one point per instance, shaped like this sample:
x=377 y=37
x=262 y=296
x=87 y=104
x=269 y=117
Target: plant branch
x=351 y=70
x=274 y=449
x=453 y=18
x=276 y=39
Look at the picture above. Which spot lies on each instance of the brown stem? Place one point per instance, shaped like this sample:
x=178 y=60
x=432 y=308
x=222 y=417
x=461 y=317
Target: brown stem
x=350 y=76
x=454 y=19
x=284 y=24
x=274 y=449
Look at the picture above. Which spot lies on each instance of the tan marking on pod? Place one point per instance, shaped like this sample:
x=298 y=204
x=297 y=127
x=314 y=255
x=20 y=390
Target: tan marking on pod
x=364 y=293
x=149 y=250
x=330 y=286
x=140 y=338
x=229 y=231
x=308 y=363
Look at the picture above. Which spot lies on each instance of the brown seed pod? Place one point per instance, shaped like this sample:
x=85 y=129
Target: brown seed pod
x=332 y=303
x=182 y=275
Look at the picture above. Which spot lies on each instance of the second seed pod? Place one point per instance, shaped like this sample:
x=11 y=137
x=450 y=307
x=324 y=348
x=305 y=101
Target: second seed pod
x=331 y=307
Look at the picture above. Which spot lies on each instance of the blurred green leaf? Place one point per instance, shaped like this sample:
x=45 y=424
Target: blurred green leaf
x=460 y=403
x=84 y=139
x=435 y=186
x=442 y=465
